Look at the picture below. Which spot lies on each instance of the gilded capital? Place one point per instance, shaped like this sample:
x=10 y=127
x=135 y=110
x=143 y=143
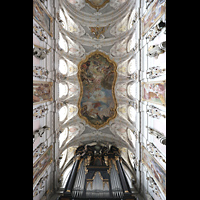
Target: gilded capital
x=116 y=157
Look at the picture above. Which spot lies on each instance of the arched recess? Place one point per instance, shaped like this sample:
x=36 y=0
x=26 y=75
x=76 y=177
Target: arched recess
x=132 y=90
x=69 y=24
x=132 y=66
x=131 y=137
x=132 y=114
x=65 y=164
x=63 y=158
x=63 y=45
x=63 y=18
x=128 y=113
x=66 y=68
x=73 y=131
x=63 y=68
x=63 y=90
x=63 y=137
x=65 y=174
x=67 y=90
x=132 y=159
x=132 y=18
x=63 y=113
x=131 y=43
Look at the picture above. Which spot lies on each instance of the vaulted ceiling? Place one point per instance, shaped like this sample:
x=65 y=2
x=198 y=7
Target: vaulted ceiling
x=109 y=27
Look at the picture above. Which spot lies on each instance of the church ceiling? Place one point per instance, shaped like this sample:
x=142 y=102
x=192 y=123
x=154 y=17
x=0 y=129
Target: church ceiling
x=99 y=42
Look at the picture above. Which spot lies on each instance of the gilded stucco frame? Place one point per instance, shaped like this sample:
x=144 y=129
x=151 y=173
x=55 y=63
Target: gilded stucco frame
x=97 y=126
x=149 y=169
x=35 y=2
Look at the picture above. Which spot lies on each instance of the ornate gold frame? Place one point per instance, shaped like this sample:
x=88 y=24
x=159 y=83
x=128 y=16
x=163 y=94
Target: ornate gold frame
x=97 y=7
x=97 y=126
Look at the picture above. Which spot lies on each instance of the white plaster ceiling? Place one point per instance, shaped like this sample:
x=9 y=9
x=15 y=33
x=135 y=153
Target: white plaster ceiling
x=78 y=17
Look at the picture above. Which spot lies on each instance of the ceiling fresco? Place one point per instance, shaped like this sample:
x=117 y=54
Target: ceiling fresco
x=102 y=69
x=97 y=4
x=97 y=76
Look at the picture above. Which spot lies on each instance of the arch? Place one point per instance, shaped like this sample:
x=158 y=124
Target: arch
x=63 y=137
x=131 y=43
x=132 y=114
x=131 y=90
x=63 y=89
x=62 y=42
x=63 y=68
x=131 y=137
x=131 y=66
x=63 y=18
x=63 y=113
x=65 y=174
x=63 y=159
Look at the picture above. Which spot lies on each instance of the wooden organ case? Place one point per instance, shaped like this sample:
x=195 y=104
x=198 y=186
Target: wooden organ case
x=97 y=174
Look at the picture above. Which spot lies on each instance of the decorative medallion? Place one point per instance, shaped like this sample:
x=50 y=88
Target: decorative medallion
x=97 y=4
x=98 y=31
x=97 y=76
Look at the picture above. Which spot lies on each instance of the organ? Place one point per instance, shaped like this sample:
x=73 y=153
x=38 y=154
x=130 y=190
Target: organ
x=97 y=173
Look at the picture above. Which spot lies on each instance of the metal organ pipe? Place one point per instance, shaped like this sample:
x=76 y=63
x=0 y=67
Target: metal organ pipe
x=79 y=182
x=115 y=183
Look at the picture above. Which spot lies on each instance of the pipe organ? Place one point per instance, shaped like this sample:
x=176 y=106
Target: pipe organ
x=97 y=174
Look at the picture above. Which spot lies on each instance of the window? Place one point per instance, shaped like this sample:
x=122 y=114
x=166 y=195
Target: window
x=66 y=174
x=131 y=66
x=131 y=90
x=131 y=19
x=64 y=154
x=131 y=137
x=132 y=113
x=63 y=89
x=62 y=113
x=62 y=17
x=62 y=43
x=131 y=43
x=63 y=137
x=63 y=66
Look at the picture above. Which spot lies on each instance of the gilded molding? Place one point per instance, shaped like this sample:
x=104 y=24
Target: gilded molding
x=97 y=7
x=97 y=126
